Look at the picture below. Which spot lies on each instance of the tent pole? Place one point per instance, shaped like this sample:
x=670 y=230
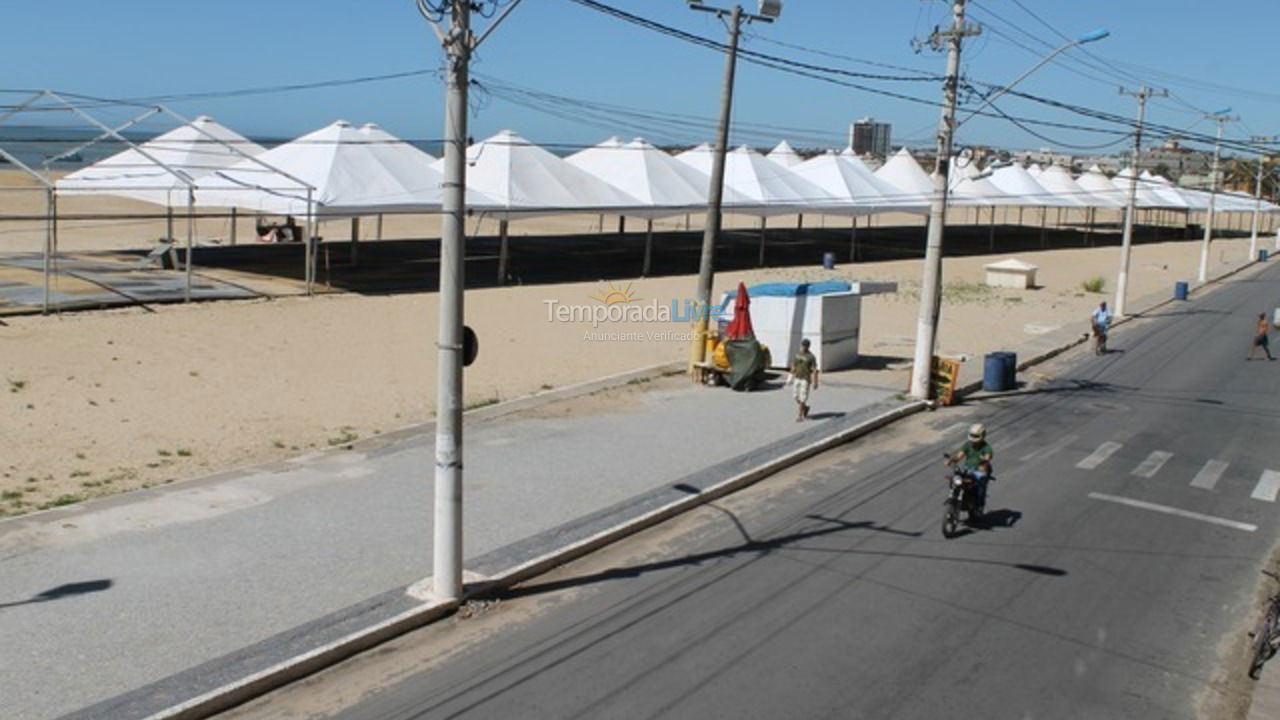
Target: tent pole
x=168 y=223
x=622 y=224
x=853 y=240
x=355 y=240
x=379 y=226
x=308 y=271
x=992 y=238
x=50 y=228
x=1044 y=223
x=799 y=221
x=1020 y=209
x=233 y=226
x=502 y=251
x=191 y=231
x=648 y=248
x=764 y=222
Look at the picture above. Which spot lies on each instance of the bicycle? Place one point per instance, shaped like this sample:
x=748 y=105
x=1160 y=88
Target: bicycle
x=1266 y=637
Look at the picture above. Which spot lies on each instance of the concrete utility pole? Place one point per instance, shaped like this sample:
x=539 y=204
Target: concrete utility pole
x=459 y=43
x=930 y=292
x=1122 y=280
x=769 y=10
x=1221 y=117
x=1257 y=206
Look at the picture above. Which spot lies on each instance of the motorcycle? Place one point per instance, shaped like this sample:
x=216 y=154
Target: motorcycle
x=962 y=497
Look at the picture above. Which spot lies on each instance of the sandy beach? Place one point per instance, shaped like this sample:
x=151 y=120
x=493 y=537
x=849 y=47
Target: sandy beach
x=102 y=402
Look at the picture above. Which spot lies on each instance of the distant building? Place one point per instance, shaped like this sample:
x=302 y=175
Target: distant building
x=868 y=137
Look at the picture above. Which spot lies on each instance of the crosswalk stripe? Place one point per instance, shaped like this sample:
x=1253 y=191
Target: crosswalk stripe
x=1268 y=486
x=1153 y=463
x=1208 y=476
x=1104 y=451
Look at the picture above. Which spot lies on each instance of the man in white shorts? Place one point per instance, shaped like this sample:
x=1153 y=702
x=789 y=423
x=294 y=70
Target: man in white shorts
x=804 y=378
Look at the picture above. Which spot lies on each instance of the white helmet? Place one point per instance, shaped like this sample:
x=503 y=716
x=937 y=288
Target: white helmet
x=977 y=431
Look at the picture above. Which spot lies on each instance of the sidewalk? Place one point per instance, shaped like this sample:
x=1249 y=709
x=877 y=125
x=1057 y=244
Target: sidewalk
x=130 y=605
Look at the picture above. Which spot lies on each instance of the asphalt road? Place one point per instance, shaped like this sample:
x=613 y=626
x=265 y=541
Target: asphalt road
x=1136 y=502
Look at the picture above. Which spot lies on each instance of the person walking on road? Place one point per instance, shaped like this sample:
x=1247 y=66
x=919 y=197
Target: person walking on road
x=1260 y=338
x=804 y=378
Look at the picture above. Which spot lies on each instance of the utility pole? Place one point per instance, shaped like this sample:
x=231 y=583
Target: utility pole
x=1221 y=117
x=1257 y=207
x=459 y=43
x=930 y=292
x=1122 y=280
x=769 y=10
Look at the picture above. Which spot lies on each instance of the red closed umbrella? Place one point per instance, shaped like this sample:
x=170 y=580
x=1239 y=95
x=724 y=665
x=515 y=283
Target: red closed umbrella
x=740 y=327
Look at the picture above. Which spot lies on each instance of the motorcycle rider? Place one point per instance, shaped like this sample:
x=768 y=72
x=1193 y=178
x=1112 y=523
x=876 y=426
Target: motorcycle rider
x=975 y=455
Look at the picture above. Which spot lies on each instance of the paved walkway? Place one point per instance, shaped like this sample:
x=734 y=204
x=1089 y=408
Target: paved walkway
x=124 y=606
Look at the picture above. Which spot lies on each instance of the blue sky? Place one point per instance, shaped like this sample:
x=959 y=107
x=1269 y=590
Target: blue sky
x=1210 y=55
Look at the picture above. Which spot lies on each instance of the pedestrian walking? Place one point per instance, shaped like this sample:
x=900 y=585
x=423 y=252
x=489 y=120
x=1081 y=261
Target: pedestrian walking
x=1260 y=338
x=804 y=378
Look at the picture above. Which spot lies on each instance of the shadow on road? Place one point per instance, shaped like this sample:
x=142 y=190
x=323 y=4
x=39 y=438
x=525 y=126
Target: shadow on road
x=63 y=591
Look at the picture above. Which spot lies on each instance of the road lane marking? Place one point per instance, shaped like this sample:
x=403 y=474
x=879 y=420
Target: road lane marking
x=1153 y=463
x=1048 y=450
x=1174 y=511
x=1104 y=451
x=1268 y=486
x=1208 y=476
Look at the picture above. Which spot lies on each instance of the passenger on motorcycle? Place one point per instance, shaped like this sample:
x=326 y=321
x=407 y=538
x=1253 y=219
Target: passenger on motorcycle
x=975 y=456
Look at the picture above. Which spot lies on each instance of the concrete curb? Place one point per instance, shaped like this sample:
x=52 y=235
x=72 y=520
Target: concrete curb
x=294 y=669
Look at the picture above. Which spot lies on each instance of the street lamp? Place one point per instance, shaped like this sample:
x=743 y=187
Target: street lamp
x=1220 y=116
x=930 y=291
x=769 y=10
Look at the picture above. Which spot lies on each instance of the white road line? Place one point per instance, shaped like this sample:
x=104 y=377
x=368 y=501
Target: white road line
x=1268 y=486
x=1048 y=450
x=1104 y=451
x=1208 y=476
x=1175 y=511
x=1152 y=464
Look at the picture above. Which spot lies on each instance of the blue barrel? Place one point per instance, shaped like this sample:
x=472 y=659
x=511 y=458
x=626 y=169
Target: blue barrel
x=995 y=374
x=829 y=260
x=1179 y=291
x=1262 y=256
x=1010 y=369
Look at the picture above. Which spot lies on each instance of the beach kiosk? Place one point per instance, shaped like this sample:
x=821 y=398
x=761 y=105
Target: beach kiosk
x=828 y=313
x=1011 y=273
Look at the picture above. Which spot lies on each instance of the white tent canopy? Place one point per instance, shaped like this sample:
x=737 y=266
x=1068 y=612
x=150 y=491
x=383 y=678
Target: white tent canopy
x=522 y=180
x=913 y=185
x=1146 y=197
x=1100 y=186
x=969 y=186
x=1057 y=180
x=348 y=171
x=663 y=184
x=162 y=170
x=1018 y=183
x=766 y=187
x=856 y=191
x=785 y=155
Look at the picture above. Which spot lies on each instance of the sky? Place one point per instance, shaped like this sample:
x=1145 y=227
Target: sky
x=615 y=78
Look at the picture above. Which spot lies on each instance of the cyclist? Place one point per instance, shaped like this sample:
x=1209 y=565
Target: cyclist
x=975 y=455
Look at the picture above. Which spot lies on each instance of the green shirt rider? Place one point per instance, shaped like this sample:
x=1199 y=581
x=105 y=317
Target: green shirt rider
x=976 y=455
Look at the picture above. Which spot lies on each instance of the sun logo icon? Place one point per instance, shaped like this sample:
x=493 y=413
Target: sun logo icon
x=614 y=294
